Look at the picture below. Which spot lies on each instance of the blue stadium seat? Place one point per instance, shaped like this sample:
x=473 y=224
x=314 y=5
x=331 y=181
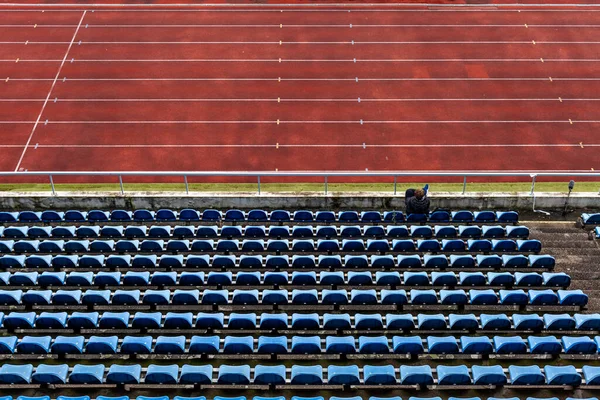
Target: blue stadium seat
x=442 y=345
x=269 y=374
x=67 y=345
x=124 y=374
x=579 y=345
x=403 y=245
x=395 y=297
x=373 y=345
x=368 y=321
x=30 y=216
x=590 y=373
x=521 y=232
x=306 y=375
x=273 y=321
x=431 y=321
x=201 y=374
x=306 y=345
x=556 y=279
x=423 y=296
x=479 y=245
x=471 y=278
x=136 y=345
x=343 y=375
x=16 y=374
x=340 y=344
x=528 y=322
x=416 y=375
x=272 y=345
x=495 y=322
x=457 y=296
x=399 y=322
x=336 y=321
x=348 y=216
x=379 y=375
x=204 y=345
x=114 y=320
x=101 y=345
x=526 y=375
x=529 y=245
x=407 y=345
x=178 y=320
x=36 y=297
x=541 y=261
x=509 y=345
x=87 y=374
x=559 y=321
x=162 y=374
x=528 y=279
x=587 y=321
x=513 y=297
x=305 y=321
x=572 y=298
x=170 y=345
x=146 y=320
x=463 y=322
x=234 y=374
x=453 y=375
x=543 y=297
x=238 y=345
x=544 y=345
x=51 y=320
x=83 y=320
x=476 y=345
x=8 y=344
x=488 y=375
x=50 y=374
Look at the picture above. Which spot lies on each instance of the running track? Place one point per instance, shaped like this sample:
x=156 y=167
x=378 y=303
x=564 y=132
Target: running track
x=299 y=88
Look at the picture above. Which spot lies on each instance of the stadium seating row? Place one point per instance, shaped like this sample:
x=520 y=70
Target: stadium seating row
x=272 y=245
x=255 y=216
x=297 y=278
x=260 y=231
x=299 y=345
x=300 y=375
x=278 y=261
x=298 y=321
x=296 y=296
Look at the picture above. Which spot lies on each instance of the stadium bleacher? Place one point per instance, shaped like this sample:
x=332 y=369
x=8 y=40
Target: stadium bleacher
x=353 y=302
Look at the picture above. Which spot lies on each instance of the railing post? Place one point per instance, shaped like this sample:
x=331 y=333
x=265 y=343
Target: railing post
x=187 y=187
x=532 y=184
x=121 y=184
x=395 y=183
x=258 y=179
x=325 y=184
x=52 y=185
x=464 y=185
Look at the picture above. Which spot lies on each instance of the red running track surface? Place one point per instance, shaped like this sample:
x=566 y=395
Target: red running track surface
x=299 y=88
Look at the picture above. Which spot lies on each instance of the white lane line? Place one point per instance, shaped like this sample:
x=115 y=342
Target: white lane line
x=479 y=145
x=308 y=122
x=314 y=7
x=283 y=100
x=276 y=26
x=353 y=42
x=49 y=92
x=307 y=79
x=340 y=60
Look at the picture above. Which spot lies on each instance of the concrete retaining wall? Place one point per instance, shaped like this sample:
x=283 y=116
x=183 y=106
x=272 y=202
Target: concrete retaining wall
x=346 y=200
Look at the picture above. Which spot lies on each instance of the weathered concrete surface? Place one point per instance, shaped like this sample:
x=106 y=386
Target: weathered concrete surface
x=345 y=200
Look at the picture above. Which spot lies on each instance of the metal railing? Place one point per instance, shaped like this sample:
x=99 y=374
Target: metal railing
x=325 y=175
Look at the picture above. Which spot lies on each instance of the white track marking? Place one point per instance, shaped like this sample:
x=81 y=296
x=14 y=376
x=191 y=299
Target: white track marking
x=321 y=60
x=479 y=145
x=298 y=122
x=354 y=42
x=284 y=100
x=307 y=79
x=255 y=7
x=48 y=96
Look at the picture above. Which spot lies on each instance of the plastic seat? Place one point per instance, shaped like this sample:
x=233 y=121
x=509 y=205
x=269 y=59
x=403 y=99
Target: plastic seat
x=373 y=345
x=495 y=322
x=367 y=296
x=147 y=320
x=379 y=375
x=114 y=320
x=488 y=375
x=407 y=345
x=529 y=375
x=544 y=345
x=438 y=261
x=230 y=215
x=34 y=345
x=306 y=345
x=36 y=297
x=572 y=298
x=257 y=216
x=306 y=375
x=124 y=374
x=242 y=321
x=416 y=375
x=387 y=278
x=587 y=321
x=340 y=345
x=331 y=297
x=101 y=345
x=368 y=321
x=453 y=296
x=396 y=297
x=343 y=375
x=590 y=373
x=215 y=296
x=50 y=374
x=513 y=297
x=305 y=321
x=204 y=345
x=273 y=321
x=509 y=345
x=428 y=245
x=528 y=322
x=16 y=374
x=269 y=375
x=416 y=218
x=234 y=374
x=374 y=231
x=442 y=345
x=431 y=321
x=67 y=345
x=529 y=245
x=238 y=345
x=107 y=278
x=463 y=322
x=170 y=345
x=136 y=345
x=471 y=278
x=403 y=245
x=86 y=374
x=559 y=321
x=126 y=297
x=479 y=245
x=178 y=320
x=453 y=375
x=200 y=374
x=476 y=345
x=423 y=296
x=209 y=320
x=409 y=261
x=51 y=320
x=272 y=345
x=579 y=345
x=336 y=321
